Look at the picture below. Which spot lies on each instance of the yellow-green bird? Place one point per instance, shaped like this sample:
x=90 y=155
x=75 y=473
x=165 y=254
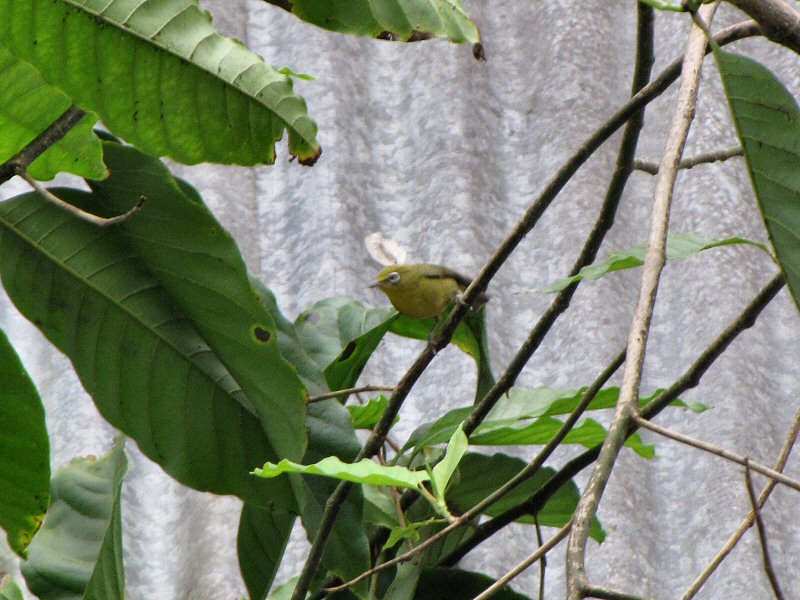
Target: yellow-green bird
x=422 y=291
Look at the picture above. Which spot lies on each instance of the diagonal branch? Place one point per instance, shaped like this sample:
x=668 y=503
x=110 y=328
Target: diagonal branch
x=627 y=406
x=762 y=533
x=779 y=20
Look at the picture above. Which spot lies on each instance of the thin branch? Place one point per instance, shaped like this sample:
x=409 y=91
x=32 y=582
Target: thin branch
x=543 y=562
x=348 y=391
x=74 y=210
x=627 y=406
x=747 y=522
x=478 y=285
x=688 y=380
x=37 y=146
x=651 y=167
x=606 y=594
x=540 y=553
x=778 y=19
x=762 y=533
x=719 y=451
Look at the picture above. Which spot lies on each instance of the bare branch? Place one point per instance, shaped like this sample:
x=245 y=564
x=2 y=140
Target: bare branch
x=779 y=21
x=651 y=167
x=627 y=406
x=593 y=591
x=74 y=210
x=747 y=522
x=37 y=146
x=762 y=533
x=348 y=391
x=718 y=451
x=543 y=562
x=527 y=562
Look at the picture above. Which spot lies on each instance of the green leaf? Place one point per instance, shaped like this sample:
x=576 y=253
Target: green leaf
x=366 y=416
x=162 y=78
x=767 y=120
x=28 y=106
x=523 y=404
x=24 y=452
x=679 y=246
x=200 y=267
x=285 y=590
x=443 y=471
x=389 y=19
x=364 y=471
x=480 y=475
x=146 y=367
x=410 y=531
x=9 y=590
x=78 y=552
x=588 y=433
x=379 y=507
x=260 y=543
x=436 y=583
x=404 y=584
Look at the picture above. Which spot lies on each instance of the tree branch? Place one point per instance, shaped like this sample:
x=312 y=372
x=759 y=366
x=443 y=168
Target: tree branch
x=779 y=21
x=651 y=167
x=348 y=391
x=627 y=406
x=762 y=533
x=747 y=522
x=718 y=451
x=37 y=146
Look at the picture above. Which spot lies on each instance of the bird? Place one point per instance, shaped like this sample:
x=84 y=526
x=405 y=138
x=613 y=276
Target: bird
x=423 y=291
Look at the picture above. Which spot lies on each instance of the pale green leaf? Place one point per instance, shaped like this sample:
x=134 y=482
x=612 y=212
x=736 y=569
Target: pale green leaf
x=364 y=471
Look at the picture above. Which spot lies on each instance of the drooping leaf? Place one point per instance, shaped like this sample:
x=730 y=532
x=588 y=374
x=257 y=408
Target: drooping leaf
x=767 y=120
x=407 y=532
x=679 y=246
x=28 y=106
x=24 y=452
x=479 y=475
x=443 y=471
x=200 y=267
x=78 y=552
x=162 y=78
x=260 y=543
x=364 y=471
x=389 y=19
x=146 y=367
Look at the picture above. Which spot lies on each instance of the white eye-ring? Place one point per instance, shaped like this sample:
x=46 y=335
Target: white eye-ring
x=394 y=278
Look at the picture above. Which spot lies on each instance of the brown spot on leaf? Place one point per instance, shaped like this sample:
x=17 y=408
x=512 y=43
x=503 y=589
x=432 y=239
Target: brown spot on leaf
x=478 y=52
x=262 y=335
x=310 y=160
x=348 y=351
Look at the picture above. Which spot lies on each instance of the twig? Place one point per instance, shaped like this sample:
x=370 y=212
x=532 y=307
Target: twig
x=718 y=451
x=543 y=562
x=478 y=285
x=348 y=391
x=525 y=473
x=651 y=167
x=688 y=380
x=74 y=210
x=778 y=19
x=627 y=406
x=762 y=533
x=747 y=522
x=593 y=591
x=38 y=145
x=527 y=562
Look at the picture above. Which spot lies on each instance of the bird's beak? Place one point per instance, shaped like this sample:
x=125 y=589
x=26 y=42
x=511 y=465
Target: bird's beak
x=377 y=284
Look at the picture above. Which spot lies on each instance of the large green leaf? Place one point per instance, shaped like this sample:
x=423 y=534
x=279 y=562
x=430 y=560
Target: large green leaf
x=200 y=267
x=479 y=475
x=78 y=552
x=260 y=543
x=679 y=246
x=24 y=452
x=161 y=77
x=388 y=19
x=140 y=358
x=767 y=120
x=27 y=107
x=364 y=471
x=436 y=583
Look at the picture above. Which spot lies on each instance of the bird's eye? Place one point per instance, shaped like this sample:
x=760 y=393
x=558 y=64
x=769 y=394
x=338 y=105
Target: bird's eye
x=394 y=277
